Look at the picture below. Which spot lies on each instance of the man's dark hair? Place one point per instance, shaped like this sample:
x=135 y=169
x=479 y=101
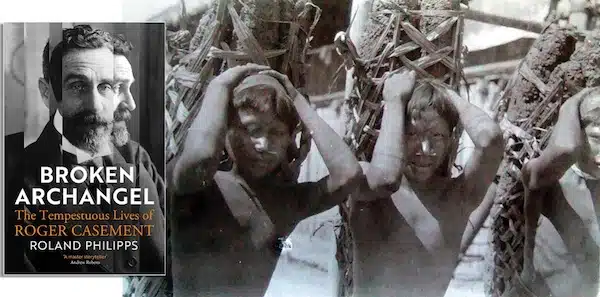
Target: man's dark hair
x=426 y=97
x=259 y=97
x=121 y=45
x=78 y=37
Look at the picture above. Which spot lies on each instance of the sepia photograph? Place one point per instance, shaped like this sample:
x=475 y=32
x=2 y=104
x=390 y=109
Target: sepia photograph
x=84 y=149
x=380 y=148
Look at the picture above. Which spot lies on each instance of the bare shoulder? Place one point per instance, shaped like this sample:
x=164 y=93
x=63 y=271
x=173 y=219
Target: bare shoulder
x=458 y=190
x=458 y=187
x=299 y=190
x=363 y=192
x=458 y=181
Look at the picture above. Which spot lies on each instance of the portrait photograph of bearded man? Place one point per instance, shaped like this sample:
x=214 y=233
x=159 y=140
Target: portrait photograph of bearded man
x=84 y=149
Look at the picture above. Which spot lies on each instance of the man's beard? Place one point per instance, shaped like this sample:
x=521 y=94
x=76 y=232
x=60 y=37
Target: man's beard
x=87 y=131
x=120 y=134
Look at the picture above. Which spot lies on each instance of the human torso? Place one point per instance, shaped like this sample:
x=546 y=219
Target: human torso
x=582 y=194
x=214 y=254
x=572 y=207
x=408 y=245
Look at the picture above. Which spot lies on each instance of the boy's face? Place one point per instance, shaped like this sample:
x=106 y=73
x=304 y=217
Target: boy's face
x=428 y=140
x=591 y=149
x=589 y=155
x=258 y=141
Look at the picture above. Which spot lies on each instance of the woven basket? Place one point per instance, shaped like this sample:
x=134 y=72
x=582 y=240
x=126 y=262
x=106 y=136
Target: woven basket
x=400 y=46
x=226 y=38
x=370 y=72
x=525 y=142
x=144 y=286
x=529 y=135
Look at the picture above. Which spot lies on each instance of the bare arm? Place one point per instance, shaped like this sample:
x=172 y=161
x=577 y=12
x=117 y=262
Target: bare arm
x=562 y=147
x=302 y=201
x=486 y=135
x=339 y=159
x=384 y=172
x=199 y=159
x=478 y=217
x=343 y=167
x=541 y=172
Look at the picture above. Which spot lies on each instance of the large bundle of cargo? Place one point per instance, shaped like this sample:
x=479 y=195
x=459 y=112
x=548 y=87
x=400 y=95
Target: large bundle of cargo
x=424 y=36
x=553 y=71
x=230 y=33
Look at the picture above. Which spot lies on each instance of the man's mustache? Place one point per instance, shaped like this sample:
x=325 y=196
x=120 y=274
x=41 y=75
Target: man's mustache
x=89 y=119
x=122 y=114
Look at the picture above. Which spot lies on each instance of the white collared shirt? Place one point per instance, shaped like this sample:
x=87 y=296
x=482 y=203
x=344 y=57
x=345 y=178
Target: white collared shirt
x=81 y=155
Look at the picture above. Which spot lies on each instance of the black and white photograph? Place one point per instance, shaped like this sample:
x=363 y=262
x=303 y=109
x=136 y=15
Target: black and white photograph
x=380 y=148
x=84 y=149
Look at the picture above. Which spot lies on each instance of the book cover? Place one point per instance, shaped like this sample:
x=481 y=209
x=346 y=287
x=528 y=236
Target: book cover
x=84 y=191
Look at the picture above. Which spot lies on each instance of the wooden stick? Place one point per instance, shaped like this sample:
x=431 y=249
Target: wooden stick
x=325 y=98
x=491 y=69
x=483 y=17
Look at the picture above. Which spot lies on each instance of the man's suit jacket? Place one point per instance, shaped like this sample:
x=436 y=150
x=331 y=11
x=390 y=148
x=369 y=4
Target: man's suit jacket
x=46 y=151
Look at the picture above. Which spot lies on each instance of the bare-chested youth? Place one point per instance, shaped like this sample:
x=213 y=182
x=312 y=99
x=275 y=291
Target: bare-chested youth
x=408 y=222
x=562 y=185
x=228 y=243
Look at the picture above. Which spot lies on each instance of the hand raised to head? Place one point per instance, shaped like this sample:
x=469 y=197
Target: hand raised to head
x=285 y=82
x=443 y=89
x=232 y=76
x=399 y=86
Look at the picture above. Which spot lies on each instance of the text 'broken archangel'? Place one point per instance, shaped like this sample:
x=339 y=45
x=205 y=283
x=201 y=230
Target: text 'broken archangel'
x=57 y=195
